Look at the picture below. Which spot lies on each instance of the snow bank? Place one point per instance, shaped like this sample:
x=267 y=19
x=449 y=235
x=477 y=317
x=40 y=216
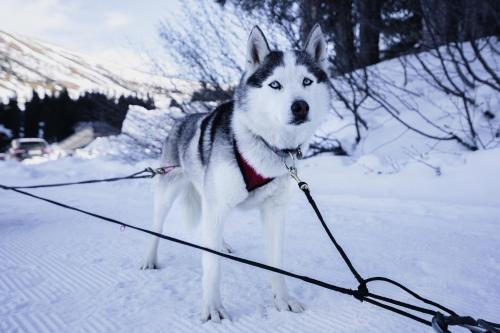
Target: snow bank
x=143 y=133
x=470 y=178
x=415 y=99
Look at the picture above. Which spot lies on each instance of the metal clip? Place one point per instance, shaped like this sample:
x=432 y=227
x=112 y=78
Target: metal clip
x=440 y=324
x=292 y=170
x=293 y=174
x=160 y=171
x=299 y=153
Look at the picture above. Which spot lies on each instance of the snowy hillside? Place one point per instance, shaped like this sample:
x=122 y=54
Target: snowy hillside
x=27 y=64
x=407 y=112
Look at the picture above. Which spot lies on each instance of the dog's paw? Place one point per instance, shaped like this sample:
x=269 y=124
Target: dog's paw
x=288 y=304
x=214 y=314
x=150 y=264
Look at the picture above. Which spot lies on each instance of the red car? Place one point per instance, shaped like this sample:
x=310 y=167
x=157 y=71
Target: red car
x=21 y=149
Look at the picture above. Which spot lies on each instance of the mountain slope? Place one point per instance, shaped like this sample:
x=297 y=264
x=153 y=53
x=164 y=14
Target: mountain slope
x=27 y=64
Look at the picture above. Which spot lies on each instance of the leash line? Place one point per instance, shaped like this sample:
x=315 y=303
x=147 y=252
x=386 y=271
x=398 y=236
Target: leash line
x=439 y=322
x=398 y=311
x=137 y=175
x=146 y=173
x=363 y=289
x=411 y=292
x=305 y=189
x=402 y=304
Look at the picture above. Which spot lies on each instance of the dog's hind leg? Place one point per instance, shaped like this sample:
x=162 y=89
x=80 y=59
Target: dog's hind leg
x=190 y=203
x=166 y=191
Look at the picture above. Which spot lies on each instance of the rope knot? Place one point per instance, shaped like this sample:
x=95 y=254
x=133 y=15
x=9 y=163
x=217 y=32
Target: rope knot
x=303 y=186
x=362 y=291
x=151 y=171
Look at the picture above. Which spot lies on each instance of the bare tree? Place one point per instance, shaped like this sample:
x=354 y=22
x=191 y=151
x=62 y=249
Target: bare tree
x=211 y=48
x=459 y=69
x=205 y=48
x=456 y=72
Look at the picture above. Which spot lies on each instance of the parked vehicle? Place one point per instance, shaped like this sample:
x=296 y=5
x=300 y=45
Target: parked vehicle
x=24 y=148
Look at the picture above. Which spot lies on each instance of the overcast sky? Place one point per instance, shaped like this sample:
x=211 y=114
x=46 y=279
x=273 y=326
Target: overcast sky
x=116 y=31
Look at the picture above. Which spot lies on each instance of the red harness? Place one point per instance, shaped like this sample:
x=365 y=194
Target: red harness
x=252 y=178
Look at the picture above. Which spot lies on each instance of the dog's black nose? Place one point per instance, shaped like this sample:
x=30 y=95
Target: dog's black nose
x=300 y=109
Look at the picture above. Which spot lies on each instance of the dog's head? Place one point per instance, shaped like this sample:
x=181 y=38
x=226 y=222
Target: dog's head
x=284 y=95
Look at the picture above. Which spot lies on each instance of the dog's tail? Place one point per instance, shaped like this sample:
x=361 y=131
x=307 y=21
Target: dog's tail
x=190 y=202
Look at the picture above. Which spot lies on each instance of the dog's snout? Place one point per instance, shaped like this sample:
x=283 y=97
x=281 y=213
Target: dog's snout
x=300 y=109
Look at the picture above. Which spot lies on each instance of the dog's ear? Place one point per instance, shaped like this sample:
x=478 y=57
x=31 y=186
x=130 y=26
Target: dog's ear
x=316 y=45
x=257 y=48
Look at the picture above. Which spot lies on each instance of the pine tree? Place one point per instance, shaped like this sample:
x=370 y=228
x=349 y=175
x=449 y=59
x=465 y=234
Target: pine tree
x=13 y=117
x=370 y=25
x=401 y=27
x=32 y=115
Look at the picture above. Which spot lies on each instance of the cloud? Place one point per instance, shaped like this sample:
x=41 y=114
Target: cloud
x=117 y=20
x=34 y=17
x=74 y=24
x=122 y=56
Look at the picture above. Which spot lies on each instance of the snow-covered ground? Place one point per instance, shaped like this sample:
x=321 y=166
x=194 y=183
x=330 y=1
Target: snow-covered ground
x=61 y=271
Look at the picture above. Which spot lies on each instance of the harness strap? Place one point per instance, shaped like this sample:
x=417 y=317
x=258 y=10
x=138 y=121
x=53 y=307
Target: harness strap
x=253 y=179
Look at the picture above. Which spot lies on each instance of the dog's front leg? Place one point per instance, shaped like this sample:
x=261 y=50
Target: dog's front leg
x=272 y=217
x=212 y=230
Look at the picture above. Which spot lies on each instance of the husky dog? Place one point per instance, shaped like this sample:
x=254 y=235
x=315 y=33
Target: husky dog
x=233 y=156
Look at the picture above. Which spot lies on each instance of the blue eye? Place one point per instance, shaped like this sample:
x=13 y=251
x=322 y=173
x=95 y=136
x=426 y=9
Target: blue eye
x=307 y=82
x=275 y=85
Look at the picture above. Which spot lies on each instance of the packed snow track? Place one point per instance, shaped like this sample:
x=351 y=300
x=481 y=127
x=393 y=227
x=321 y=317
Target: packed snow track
x=61 y=271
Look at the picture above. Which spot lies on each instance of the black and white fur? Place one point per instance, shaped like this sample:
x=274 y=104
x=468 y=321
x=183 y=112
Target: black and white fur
x=261 y=116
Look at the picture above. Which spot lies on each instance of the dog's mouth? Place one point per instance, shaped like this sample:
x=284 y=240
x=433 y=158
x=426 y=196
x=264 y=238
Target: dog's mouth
x=282 y=152
x=297 y=122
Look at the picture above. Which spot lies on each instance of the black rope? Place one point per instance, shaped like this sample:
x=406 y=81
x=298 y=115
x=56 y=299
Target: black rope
x=402 y=304
x=398 y=311
x=411 y=292
x=146 y=173
x=439 y=322
x=305 y=188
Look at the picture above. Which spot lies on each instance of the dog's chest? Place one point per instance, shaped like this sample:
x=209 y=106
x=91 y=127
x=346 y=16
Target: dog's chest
x=276 y=187
x=252 y=178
